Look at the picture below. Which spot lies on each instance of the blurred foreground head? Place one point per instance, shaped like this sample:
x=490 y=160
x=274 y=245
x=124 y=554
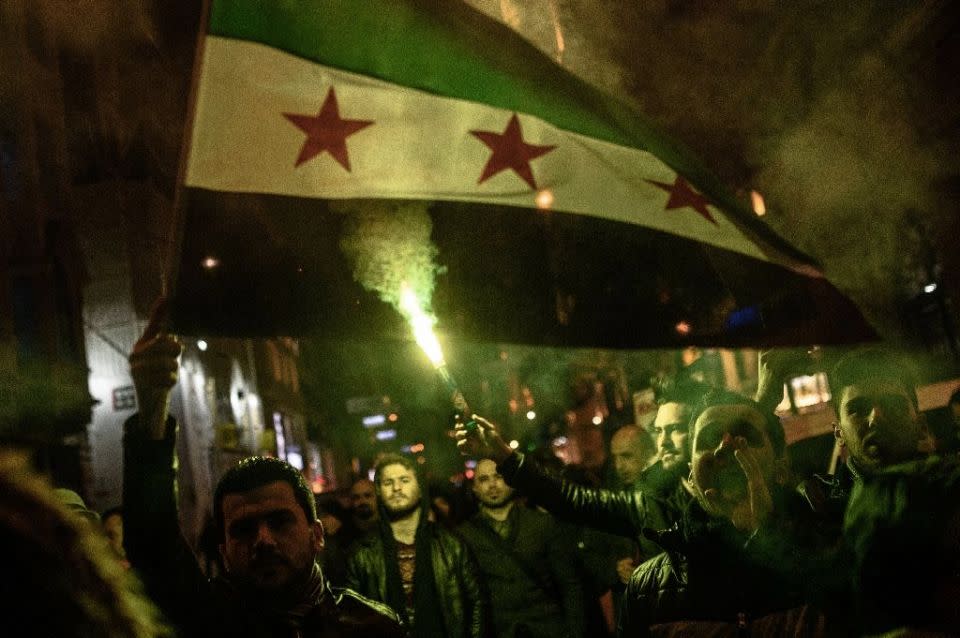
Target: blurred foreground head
x=60 y=577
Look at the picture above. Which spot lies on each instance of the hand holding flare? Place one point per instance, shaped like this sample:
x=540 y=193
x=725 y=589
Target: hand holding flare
x=422 y=325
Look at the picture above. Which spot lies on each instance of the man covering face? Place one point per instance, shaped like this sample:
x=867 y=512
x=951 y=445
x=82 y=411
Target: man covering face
x=735 y=462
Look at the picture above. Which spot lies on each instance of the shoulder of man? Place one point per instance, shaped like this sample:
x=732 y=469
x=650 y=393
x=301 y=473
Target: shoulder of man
x=365 y=615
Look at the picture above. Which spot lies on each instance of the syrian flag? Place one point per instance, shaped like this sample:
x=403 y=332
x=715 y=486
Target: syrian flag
x=556 y=214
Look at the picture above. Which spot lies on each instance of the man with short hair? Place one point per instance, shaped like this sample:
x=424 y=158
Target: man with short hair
x=363 y=506
x=742 y=551
x=417 y=567
x=266 y=519
x=527 y=565
x=635 y=513
x=631 y=451
x=878 y=424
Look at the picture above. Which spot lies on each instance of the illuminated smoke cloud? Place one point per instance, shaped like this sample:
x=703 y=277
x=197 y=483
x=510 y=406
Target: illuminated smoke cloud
x=388 y=245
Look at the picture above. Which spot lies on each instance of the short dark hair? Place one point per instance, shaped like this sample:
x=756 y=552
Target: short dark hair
x=872 y=364
x=718 y=396
x=257 y=471
x=393 y=459
x=684 y=391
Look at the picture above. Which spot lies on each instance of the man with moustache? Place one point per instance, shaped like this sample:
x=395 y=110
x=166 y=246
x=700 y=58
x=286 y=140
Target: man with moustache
x=424 y=572
x=739 y=549
x=266 y=519
x=527 y=565
x=744 y=550
x=655 y=503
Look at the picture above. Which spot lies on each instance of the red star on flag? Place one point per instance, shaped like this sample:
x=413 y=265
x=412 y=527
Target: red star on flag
x=510 y=151
x=683 y=195
x=326 y=131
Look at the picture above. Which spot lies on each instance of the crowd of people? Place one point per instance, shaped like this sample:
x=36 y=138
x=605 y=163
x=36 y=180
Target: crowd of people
x=706 y=533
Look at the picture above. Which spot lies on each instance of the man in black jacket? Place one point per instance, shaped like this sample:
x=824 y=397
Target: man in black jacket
x=416 y=566
x=267 y=525
x=656 y=503
x=744 y=548
x=525 y=561
x=878 y=424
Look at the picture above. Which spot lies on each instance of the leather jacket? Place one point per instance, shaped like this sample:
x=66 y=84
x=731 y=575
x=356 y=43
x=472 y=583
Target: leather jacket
x=462 y=601
x=635 y=513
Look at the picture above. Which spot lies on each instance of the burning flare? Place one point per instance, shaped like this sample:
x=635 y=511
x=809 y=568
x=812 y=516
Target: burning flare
x=422 y=324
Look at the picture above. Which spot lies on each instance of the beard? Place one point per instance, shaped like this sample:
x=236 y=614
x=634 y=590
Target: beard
x=363 y=512
x=398 y=512
x=499 y=501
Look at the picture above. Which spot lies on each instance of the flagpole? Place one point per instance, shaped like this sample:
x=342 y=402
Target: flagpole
x=170 y=270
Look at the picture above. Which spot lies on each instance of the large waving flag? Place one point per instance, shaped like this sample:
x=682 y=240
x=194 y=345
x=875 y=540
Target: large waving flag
x=558 y=215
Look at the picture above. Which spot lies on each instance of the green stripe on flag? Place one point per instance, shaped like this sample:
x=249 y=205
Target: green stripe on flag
x=447 y=48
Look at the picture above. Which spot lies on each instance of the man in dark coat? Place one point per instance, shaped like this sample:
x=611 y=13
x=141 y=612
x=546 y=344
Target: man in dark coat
x=879 y=424
x=420 y=569
x=526 y=563
x=744 y=548
x=266 y=521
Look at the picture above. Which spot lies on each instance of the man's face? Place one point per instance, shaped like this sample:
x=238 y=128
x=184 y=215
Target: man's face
x=670 y=428
x=627 y=450
x=718 y=479
x=489 y=487
x=399 y=489
x=113 y=528
x=363 y=499
x=268 y=541
x=878 y=424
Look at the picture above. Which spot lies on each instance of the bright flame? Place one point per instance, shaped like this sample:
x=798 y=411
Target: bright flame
x=759 y=206
x=422 y=325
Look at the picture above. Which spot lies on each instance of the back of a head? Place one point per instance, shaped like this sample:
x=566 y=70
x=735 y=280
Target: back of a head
x=60 y=578
x=872 y=364
x=255 y=472
x=903 y=530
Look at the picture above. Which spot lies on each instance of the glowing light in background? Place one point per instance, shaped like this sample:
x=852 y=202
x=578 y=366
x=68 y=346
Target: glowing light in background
x=682 y=328
x=545 y=199
x=929 y=288
x=759 y=206
x=386 y=435
x=373 y=420
x=531 y=415
x=514 y=444
x=597 y=419
x=210 y=263
x=202 y=345
x=557 y=31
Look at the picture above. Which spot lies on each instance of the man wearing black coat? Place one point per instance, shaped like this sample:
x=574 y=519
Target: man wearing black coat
x=266 y=521
x=420 y=569
x=525 y=561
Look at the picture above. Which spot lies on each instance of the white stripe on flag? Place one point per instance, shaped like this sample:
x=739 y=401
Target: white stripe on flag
x=419 y=147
